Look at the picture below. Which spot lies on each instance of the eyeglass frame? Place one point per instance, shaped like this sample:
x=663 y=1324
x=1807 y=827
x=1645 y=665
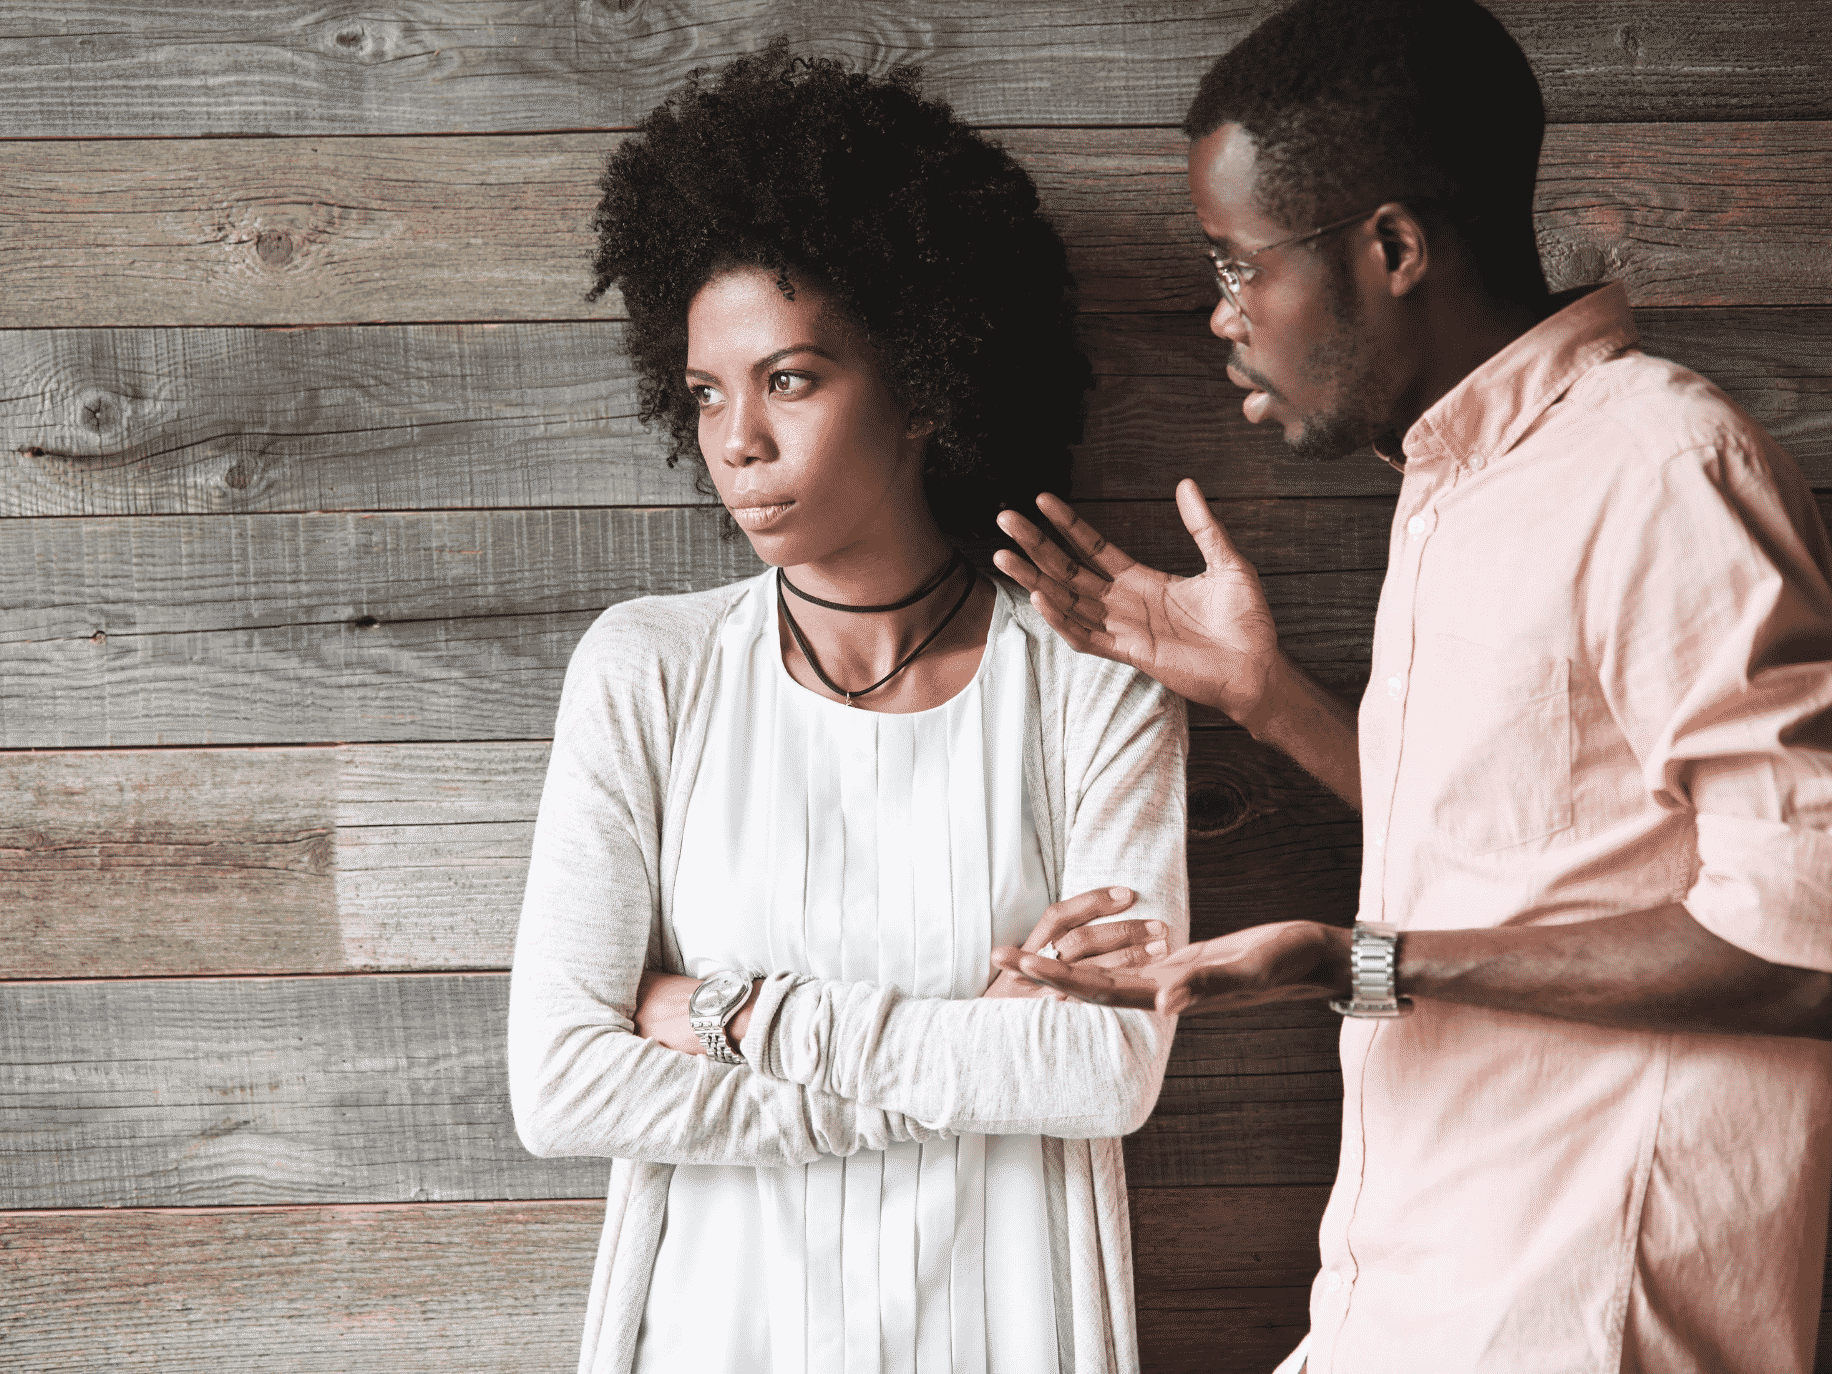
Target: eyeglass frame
x=1223 y=266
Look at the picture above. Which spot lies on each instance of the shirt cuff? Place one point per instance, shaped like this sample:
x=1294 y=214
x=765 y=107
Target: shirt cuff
x=1766 y=888
x=755 y=1048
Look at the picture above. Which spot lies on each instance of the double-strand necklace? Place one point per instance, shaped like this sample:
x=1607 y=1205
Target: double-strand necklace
x=957 y=560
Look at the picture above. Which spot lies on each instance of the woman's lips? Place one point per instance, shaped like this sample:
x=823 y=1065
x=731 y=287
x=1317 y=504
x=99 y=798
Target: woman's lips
x=761 y=515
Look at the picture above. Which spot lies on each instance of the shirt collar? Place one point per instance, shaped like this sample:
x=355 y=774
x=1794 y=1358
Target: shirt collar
x=1486 y=413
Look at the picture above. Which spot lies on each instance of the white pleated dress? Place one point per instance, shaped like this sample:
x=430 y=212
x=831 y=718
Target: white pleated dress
x=896 y=849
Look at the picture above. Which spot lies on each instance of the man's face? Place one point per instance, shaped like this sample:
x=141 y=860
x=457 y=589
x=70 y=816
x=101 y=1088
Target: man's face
x=1304 y=350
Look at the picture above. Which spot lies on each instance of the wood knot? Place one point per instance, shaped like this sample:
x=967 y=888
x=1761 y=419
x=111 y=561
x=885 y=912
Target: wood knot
x=364 y=622
x=274 y=247
x=1217 y=808
x=240 y=474
x=1629 y=40
x=349 y=38
x=99 y=637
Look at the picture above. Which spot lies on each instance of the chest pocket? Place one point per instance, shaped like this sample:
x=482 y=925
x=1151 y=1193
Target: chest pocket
x=1487 y=752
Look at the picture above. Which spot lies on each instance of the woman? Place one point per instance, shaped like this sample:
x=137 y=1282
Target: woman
x=786 y=821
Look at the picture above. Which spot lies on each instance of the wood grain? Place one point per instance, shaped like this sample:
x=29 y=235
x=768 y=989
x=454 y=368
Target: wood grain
x=319 y=231
x=309 y=1290
x=152 y=421
x=1223 y=1275
x=183 y=67
x=386 y=1088
x=282 y=629
x=412 y=857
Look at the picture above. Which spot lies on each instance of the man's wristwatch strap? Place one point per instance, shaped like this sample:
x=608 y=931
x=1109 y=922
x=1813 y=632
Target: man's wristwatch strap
x=1373 y=974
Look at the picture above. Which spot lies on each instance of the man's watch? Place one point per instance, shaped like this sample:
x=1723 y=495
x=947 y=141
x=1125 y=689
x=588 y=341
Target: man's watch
x=714 y=1002
x=1374 y=973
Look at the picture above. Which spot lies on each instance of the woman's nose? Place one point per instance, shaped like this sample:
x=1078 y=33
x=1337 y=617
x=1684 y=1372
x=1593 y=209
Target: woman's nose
x=747 y=434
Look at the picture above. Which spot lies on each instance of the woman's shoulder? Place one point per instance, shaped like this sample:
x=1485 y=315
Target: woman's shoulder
x=650 y=635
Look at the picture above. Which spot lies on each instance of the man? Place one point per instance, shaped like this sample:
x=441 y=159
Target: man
x=1594 y=761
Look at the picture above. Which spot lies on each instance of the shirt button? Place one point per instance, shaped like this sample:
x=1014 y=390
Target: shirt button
x=1416 y=525
x=1477 y=463
x=1395 y=687
x=1332 y=1281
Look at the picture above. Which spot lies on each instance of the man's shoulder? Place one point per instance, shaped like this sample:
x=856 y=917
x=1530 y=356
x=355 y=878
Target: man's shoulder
x=1656 y=410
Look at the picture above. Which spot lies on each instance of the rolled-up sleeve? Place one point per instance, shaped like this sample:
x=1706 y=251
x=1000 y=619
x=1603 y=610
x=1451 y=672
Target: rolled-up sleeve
x=1720 y=669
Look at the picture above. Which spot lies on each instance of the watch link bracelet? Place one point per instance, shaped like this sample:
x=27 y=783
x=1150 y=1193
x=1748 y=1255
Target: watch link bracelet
x=1373 y=973
x=713 y=1004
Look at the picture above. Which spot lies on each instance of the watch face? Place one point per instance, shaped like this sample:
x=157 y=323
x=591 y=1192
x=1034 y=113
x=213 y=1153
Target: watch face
x=717 y=993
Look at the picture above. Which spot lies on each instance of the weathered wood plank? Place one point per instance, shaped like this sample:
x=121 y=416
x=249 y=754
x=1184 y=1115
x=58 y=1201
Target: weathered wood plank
x=412 y=857
x=1223 y=1275
x=237 y=1091
x=283 y=629
x=140 y=421
x=151 y=421
x=173 y=67
x=383 y=1088
x=280 y=629
x=473 y=1289
x=336 y=230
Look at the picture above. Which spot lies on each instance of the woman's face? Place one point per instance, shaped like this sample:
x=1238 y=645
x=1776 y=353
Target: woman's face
x=808 y=449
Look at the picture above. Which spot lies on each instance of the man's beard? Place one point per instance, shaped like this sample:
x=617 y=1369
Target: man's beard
x=1341 y=363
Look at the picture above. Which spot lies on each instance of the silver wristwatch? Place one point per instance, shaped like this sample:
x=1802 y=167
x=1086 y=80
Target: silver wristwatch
x=714 y=1002
x=1374 y=973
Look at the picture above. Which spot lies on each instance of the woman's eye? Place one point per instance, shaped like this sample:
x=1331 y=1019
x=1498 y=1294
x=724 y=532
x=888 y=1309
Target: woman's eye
x=703 y=395
x=786 y=383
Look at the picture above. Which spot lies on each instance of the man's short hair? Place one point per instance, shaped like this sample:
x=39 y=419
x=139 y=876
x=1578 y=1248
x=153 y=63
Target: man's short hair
x=1427 y=102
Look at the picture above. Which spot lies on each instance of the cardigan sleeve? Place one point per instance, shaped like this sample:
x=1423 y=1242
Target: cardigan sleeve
x=581 y=1082
x=1022 y=1067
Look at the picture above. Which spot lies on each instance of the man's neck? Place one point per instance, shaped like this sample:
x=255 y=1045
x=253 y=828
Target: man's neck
x=1463 y=330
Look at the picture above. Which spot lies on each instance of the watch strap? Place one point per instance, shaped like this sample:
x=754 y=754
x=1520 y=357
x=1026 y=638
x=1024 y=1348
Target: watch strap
x=712 y=1035
x=1373 y=974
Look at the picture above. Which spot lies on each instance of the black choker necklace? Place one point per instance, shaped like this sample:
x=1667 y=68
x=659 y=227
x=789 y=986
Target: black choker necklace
x=954 y=561
x=801 y=640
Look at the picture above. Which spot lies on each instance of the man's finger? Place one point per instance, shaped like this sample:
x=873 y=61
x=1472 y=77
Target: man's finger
x=1049 y=559
x=1210 y=534
x=1090 y=544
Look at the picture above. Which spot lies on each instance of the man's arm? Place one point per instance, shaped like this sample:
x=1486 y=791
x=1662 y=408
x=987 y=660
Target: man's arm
x=1656 y=970
x=1209 y=638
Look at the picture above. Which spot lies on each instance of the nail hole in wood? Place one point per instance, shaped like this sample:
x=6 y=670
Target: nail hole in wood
x=365 y=622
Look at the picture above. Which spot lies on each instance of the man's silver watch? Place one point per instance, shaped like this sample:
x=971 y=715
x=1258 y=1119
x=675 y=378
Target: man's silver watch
x=1374 y=973
x=713 y=1004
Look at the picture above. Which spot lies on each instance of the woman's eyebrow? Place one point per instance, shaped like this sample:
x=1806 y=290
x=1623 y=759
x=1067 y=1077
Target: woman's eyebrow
x=782 y=353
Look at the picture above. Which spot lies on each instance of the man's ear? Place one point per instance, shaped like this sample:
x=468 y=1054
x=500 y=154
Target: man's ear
x=1406 y=245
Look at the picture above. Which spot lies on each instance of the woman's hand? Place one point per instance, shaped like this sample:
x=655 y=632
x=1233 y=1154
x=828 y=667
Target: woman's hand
x=662 y=1016
x=1111 y=945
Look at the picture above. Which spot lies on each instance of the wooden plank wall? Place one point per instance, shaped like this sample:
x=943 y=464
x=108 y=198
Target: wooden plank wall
x=316 y=463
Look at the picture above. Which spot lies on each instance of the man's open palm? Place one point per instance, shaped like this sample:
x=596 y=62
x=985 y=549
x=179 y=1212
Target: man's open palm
x=1209 y=638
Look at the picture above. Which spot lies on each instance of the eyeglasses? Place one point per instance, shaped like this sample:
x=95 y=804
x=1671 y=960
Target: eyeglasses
x=1227 y=270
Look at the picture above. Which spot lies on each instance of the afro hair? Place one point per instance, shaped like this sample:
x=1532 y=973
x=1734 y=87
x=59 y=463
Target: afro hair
x=924 y=234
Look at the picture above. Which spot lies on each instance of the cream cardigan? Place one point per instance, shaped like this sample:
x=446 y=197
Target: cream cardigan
x=832 y=1067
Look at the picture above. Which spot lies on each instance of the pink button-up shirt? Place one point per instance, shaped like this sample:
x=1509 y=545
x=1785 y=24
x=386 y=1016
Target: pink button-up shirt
x=1600 y=685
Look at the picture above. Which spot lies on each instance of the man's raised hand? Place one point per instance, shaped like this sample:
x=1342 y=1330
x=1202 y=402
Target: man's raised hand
x=1209 y=638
